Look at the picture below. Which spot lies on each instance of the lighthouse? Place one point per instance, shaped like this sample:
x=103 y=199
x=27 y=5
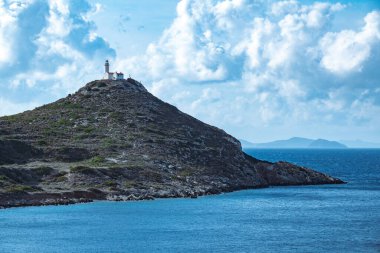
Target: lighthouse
x=107 y=67
x=111 y=75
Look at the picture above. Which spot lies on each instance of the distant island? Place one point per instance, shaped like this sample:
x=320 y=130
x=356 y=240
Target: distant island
x=360 y=144
x=296 y=142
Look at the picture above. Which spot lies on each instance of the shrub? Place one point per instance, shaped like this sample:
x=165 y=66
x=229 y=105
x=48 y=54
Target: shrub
x=20 y=188
x=63 y=122
x=60 y=177
x=110 y=183
x=118 y=116
x=86 y=129
x=130 y=184
x=82 y=170
x=11 y=118
x=43 y=170
x=108 y=142
x=69 y=105
x=42 y=142
x=97 y=160
x=3 y=178
x=185 y=173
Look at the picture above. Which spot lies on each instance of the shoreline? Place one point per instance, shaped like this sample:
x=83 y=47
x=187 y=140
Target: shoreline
x=62 y=199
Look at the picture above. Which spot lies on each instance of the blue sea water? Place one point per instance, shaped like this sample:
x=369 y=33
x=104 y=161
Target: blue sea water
x=327 y=218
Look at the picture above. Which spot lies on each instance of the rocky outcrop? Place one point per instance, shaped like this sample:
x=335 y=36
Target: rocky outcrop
x=14 y=151
x=114 y=140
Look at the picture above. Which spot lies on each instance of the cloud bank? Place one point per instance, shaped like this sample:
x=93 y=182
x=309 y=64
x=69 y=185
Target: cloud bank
x=257 y=65
x=47 y=48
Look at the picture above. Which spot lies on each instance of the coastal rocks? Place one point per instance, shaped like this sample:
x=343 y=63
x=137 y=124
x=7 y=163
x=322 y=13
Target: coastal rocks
x=283 y=173
x=42 y=199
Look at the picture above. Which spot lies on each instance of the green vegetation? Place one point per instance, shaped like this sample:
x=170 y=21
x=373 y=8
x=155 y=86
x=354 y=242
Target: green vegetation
x=20 y=188
x=126 y=145
x=116 y=167
x=43 y=171
x=130 y=184
x=49 y=132
x=110 y=183
x=11 y=118
x=118 y=116
x=81 y=137
x=97 y=160
x=108 y=142
x=42 y=142
x=89 y=129
x=185 y=173
x=83 y=133
x=74 y=115
x=61 y=177
x=101 y=84
x=86 y=129
x=4 y=178
x=63 y=122
x=82 y=170
x=64 y=105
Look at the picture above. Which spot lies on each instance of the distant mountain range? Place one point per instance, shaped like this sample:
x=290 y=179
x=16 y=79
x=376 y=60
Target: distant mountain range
x=295 y=142
x=360 y=144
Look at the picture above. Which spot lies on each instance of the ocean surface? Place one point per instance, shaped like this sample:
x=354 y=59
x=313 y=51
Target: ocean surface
x=328 y=218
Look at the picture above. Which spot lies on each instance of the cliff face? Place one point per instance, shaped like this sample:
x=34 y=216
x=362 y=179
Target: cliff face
x=115 y=140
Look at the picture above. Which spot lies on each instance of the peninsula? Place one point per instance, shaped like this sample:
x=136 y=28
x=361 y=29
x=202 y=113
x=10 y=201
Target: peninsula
x=113 y=140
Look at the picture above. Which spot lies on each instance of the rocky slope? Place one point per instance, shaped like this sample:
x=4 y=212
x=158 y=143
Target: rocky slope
x=114 y=140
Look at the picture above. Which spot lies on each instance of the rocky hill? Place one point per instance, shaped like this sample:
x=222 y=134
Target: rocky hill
x=114 y=140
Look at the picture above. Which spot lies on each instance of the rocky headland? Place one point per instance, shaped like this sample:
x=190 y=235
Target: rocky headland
x=113 y=140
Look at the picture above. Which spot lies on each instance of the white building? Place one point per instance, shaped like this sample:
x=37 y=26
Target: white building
x=119 y=75
x=112 y=75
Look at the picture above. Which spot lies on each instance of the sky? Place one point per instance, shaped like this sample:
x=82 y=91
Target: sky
x=260 y=70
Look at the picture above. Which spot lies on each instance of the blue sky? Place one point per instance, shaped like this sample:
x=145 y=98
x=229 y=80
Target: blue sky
x=261 y=70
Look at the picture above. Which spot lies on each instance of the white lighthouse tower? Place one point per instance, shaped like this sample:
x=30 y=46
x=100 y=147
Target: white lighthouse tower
x=107 y=66
x=111 y=75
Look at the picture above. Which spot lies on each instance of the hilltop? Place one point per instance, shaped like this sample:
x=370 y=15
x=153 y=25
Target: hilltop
x=113 y=140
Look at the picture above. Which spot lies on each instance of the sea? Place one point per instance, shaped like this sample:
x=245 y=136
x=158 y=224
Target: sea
x=323 y=218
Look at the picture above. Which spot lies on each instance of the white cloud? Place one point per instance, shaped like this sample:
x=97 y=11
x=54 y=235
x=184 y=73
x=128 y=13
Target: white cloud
x=191 y=48
x=346 y=51
x=209 y=95
x=282 y=62
x=8 y=107
x=226 y=13
x=8 y=29
x=57 y=51
x=284 y=7
x=59 y=23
